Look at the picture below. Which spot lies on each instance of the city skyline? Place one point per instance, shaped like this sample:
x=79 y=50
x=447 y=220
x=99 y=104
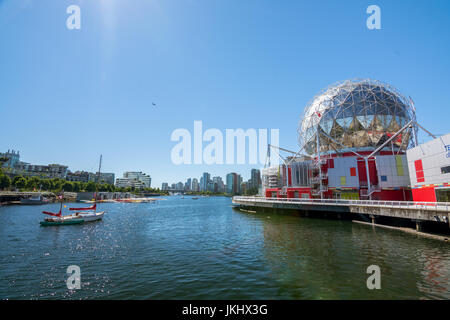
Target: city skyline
x=255 y=174
x=107 y=177
x=98 y=90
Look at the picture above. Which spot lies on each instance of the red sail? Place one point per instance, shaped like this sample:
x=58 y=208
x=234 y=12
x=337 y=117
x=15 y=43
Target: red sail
x=53 y=214
x=87 y=208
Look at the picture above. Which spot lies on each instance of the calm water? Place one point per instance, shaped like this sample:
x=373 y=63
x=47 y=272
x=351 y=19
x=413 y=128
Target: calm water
x=203 y=249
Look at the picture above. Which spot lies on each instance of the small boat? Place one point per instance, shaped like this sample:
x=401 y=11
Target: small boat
x=60 y=221
x=75 y=218
x=39 y=199
x=90 y=215
x=194 y=198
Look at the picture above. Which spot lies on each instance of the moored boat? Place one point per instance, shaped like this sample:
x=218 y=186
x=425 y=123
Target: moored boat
x=59 y=222
x=76 y=218
x=39 y=199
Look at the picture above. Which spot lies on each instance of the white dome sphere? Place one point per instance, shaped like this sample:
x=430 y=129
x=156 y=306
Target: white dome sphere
x=358 y=114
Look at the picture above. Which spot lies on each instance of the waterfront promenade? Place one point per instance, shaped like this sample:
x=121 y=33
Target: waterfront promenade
x=415 y=211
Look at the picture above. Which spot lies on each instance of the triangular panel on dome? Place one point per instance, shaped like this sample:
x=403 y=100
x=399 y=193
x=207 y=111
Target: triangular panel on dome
x=366 y=121
x=385 y=121
x=394 y=126
x=347 y=140
x=374 y=137
x=326 y=125
x=355 y=125
x=377 y=124
x=401 y=121
x=361 y=139
x=336 y=130
x=344 y=122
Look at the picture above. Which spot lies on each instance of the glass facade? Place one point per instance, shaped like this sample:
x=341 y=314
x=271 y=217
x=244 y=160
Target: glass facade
x=356 y=114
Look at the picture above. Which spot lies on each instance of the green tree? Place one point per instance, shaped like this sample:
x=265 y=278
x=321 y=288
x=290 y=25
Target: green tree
x=77 y=186
x=90 y=186
x=45 y=184
x=20 y=182
x=67 y=186
x=56 y=184
x=33 y=183
x=5 y=181
x=16 y=178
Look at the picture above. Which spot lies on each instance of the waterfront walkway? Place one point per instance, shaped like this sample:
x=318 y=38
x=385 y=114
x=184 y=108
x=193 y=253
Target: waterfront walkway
x=416 y=211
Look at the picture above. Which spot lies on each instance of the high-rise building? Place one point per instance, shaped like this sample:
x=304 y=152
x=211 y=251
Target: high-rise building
x=234 y=181
x=218 y=185
x=205 y=182
x=165 y=186
x=188 y=185
x=180 y=186
x=255 y=179
x=195 y=185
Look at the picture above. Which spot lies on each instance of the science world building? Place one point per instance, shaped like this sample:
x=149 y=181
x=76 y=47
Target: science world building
x=353 y=137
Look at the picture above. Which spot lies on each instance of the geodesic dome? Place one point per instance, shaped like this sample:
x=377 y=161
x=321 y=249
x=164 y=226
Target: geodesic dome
x=358 y=114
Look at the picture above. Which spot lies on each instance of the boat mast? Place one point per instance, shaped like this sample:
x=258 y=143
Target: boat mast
x=98 y=179
x=99 y=168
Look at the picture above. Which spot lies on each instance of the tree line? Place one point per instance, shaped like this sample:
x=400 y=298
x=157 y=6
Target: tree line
x=23 y=183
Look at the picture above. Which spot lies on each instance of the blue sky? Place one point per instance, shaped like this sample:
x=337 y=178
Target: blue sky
x=68 y=96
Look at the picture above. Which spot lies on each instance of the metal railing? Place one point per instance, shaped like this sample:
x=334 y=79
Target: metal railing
x=437 y=206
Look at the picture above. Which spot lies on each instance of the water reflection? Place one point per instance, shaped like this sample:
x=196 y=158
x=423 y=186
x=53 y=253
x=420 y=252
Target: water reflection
x=327 y=259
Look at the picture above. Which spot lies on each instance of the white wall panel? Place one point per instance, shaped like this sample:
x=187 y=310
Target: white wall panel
x=435 y=154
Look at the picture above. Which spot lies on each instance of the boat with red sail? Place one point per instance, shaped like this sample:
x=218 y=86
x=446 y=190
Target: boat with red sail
x=86 y=214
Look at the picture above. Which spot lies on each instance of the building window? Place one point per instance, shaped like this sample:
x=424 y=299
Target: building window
x=343 y=181
x=353 y=172
x=383 y=178
x=442 y=195
x=445 y=170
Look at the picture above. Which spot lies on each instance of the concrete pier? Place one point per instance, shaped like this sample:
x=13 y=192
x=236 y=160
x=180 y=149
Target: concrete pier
x=414 y=211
